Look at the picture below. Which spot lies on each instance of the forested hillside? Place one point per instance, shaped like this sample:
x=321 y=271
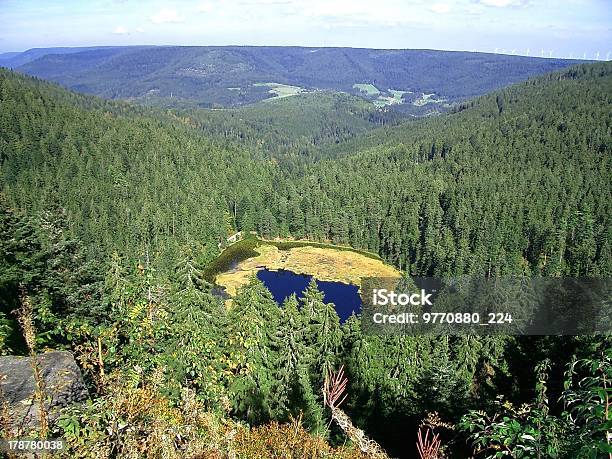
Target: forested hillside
x=295 y=130
x=504 y=186
x=110 y=214
x=120 y=170
x=16 y=59
x=179 y=76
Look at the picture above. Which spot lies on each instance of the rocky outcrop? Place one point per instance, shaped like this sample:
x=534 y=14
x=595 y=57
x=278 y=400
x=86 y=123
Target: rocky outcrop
x=63 y=385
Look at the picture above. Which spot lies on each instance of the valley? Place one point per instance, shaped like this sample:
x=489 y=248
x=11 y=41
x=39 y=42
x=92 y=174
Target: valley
x=115 y=216
x=209 y=77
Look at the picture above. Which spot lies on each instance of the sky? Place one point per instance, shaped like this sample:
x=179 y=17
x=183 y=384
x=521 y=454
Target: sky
x=546 y=28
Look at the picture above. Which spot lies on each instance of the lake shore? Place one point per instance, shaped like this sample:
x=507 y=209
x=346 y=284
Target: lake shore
x=325 y=263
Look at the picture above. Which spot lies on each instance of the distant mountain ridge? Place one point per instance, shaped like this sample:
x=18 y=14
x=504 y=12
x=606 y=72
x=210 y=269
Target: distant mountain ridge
x=224 y=76
x=15 y=59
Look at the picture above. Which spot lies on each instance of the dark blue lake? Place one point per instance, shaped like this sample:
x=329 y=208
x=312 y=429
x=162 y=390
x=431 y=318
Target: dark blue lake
x=284 y=283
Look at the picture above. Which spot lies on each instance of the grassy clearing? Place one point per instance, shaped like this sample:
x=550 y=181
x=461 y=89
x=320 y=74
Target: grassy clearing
x=323 y=261
x=386 y=100
x=368 y=88
x=333 y=265
x=397 y=94
x=286 y=245
x=393 y=97
x=281 y=90
x=428 y=99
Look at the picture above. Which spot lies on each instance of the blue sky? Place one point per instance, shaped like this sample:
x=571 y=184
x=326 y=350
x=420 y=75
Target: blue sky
x=563 y=28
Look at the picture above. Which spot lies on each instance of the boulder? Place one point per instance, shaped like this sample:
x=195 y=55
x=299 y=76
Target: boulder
x=63 y=386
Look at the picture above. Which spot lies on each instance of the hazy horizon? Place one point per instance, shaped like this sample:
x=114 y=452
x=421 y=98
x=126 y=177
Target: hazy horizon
x=574 y=29
x=138 y=45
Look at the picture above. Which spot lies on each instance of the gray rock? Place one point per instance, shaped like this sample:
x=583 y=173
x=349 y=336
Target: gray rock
x=63 y=386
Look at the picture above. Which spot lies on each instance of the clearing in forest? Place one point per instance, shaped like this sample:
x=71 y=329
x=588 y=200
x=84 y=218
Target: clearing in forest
x=368 y=88
x=323 y=263
x=281 y=90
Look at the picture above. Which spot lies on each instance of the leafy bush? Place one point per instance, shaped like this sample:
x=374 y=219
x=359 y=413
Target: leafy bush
x=530 y=431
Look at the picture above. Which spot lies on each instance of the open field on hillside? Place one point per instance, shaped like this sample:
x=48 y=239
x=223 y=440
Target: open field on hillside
x=428 y=99
x=368 y=88
x=281 y=90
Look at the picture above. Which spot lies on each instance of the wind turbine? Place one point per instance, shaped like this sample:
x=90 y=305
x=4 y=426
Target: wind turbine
x=550 y=53
x=597 y=56
x=542 y=52
x=527 y=52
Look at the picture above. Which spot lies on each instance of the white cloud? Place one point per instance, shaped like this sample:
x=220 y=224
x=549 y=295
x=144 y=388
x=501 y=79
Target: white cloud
x=205 y=8
x=166 y=15
x=351 y=13
x=440 y=8
x=503 y=3
x=140 y=29
x=120 y=30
